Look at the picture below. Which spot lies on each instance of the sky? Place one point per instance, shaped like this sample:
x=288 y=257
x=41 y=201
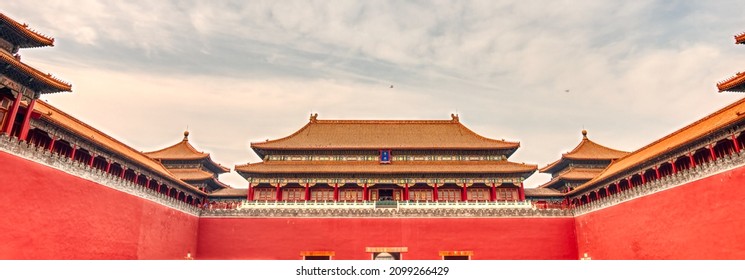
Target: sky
x=537 y=72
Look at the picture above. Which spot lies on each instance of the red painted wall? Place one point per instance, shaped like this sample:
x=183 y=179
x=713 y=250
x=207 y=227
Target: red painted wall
x=285 y=238
x=48 y=214
x=704 y=219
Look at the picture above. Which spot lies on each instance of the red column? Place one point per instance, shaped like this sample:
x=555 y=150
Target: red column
x=307 y=191
x=12 y=114
x=657 y=171
x=365 y=196
x=336 y=191
x=522 y=192
x=90 y=163
x=406 y=191
x=434 y=194
x=737 y=145
x=713 y=154
x=108 y=166
x=693 y=161
x=250 y=195
x=159 y=185
x=279 y=193
x=464 y=193
x=51 y=144
x=644 y=180
x=493 y=194
x=122 y=173
x=27 y=120
x=72 y=154
x=675 y=169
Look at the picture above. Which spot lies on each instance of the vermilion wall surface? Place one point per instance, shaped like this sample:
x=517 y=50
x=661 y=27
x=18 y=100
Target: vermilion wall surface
x=48 y=214
x=488 y=238
x=704 y=219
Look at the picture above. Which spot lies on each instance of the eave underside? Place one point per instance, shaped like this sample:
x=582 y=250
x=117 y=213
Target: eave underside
x=395 y=168
x=29 y=76
x=20 y=35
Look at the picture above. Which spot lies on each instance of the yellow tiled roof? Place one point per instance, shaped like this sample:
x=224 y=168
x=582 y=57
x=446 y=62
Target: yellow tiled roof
x=184 y=151
x=54 y=84
x=35 y=38
x=728 y=115
x=587 y=150
x=735 y=83
x=86 y=131
x=384 y=134
x=574 y=174
x=229 y=192
x=542 y=192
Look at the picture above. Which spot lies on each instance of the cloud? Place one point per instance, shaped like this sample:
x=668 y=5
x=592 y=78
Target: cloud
x=529 y=71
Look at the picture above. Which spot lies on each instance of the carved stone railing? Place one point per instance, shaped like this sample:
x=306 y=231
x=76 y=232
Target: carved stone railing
x=306 y=204
x=43 y=156
x=466 y=204
x=395 y=204
x=387 y=212
x=671 y=181
x=368 y=209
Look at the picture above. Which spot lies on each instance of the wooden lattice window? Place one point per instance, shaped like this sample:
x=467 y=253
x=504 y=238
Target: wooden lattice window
x=293 y=194
x=265 y=194
x=478 y=194
x=351 y=195
x=322 y=194
x=449 y=195
x=420 y=195
x=506 y=194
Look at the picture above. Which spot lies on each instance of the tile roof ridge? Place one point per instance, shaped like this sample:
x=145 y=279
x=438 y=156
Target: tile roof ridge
x=740 y=38
x=731 y=82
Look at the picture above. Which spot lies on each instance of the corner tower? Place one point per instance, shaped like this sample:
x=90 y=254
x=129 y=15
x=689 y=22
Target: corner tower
x=586 y=161
x=19 y=82
x=191 y=165
x=735 y=83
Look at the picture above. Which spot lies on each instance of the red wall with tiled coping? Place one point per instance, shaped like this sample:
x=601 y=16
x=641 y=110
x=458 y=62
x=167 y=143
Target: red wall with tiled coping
x=49 y=214
x=488 y=238
x=704 y=219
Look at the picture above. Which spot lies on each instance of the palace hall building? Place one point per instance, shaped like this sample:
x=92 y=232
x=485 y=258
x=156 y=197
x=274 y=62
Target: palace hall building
x=348 y=160
x=357 y=189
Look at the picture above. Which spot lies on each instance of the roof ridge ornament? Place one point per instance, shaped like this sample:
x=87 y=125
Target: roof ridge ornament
x=314 y=117
x=186 y=135
x=455 y=118
x=584 y=134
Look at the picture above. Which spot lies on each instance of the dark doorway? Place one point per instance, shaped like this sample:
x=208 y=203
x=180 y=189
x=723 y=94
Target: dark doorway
x=385 y=194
